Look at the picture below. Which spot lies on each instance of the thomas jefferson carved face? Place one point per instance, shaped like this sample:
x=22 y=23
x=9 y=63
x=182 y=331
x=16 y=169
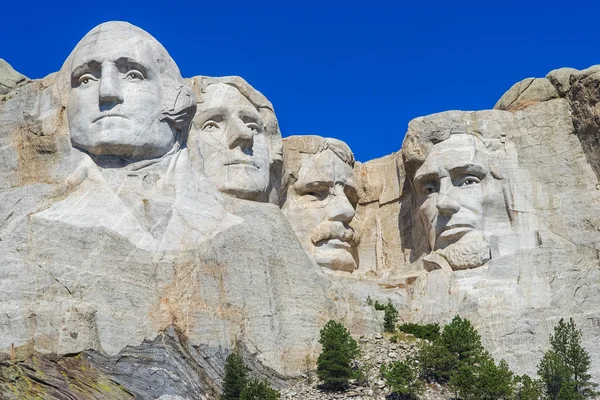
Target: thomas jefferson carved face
x=451 y=186
x=116 y=95
x=320 y=205
x=230 y=136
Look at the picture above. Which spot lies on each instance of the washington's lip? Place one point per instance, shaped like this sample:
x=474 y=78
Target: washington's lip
x=109 y=114
x=242 y=162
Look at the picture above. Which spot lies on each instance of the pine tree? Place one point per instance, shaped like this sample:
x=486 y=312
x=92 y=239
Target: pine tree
x=526 y=388
x=483 y=380
x=462 y=339
x=402 y=379
x=390 y=317
x=334 y=365
x=564 y=368
x=236 y=377
x=258 y=390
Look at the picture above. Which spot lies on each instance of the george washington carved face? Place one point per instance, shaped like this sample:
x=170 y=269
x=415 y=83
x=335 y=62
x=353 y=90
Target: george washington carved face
x=119 y=78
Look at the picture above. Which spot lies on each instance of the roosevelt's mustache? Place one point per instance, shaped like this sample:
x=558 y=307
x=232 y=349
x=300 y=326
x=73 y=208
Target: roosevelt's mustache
x=335 y=230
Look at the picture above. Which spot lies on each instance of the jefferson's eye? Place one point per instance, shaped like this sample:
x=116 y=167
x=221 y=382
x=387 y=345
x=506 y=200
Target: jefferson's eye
x=86 y=79
x=469 y=181
x=134 y=75
x=253 y=127
x=210 y=126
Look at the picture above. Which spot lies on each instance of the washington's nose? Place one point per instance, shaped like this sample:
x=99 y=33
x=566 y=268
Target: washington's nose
x=340 y=208
x=110 y=85
x=446 y=204
x=240 y=135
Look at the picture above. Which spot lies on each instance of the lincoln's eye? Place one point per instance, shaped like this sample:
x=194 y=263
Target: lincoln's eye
x=429 y=188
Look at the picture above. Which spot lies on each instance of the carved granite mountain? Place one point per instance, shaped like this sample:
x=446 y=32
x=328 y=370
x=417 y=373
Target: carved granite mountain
x=153 y=224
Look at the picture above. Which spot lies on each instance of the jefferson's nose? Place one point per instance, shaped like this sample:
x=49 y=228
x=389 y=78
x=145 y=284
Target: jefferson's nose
x=110 y=85
x=339 y=208
x=239 y=135
x=446 y=204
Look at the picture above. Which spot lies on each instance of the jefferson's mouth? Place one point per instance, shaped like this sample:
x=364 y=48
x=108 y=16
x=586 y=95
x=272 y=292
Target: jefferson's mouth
x=242 y=162
x=109 y=114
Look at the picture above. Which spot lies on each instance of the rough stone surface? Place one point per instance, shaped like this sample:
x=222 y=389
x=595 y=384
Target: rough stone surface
x=123 y=258
x=526 y=93
x=9 y=78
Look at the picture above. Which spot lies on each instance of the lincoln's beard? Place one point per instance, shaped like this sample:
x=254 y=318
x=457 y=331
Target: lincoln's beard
x=471 y=252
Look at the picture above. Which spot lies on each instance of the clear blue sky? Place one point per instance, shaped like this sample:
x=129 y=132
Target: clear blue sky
x=356 y=71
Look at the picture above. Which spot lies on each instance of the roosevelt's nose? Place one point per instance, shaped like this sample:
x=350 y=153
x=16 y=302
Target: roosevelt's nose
x=446 y=203
x=339 y=208
x=240 y=135
x=110 y=85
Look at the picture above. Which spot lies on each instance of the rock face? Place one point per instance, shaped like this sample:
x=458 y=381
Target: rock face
x=9 y=78
x=124 y=253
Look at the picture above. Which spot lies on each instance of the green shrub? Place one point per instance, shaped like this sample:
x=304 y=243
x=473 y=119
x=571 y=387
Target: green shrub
x=428 y=331
x=526 y=388
x=402 y=379
x=236 y=377
x=258 y=390
x=564 y=368
x=436 y=362
x=483 y=381
x=459 y=343
x=462 y=339
x=390 y=317
x=334 y=365
x=378 y=306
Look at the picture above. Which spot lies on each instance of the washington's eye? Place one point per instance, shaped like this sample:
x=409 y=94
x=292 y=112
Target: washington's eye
x=210 y=126
x=469 y=181
x=86 y=79
x=134 y=75
x=253 y=127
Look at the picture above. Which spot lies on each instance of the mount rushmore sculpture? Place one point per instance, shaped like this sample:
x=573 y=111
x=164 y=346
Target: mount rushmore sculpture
x=146 y=214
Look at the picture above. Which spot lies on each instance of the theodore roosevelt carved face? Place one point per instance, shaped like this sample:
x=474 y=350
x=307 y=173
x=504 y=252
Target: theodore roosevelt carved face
x=118 y=100
x=229 y=135
x=320 y=202
x=451 y=187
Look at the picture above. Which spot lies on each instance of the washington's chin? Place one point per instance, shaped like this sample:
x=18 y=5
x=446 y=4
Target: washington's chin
x=123 y=141
x=336 y=255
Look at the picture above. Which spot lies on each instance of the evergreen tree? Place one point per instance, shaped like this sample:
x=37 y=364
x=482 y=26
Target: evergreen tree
x=258 y=390
x=402 y=379
x=483 y=380
x=436 y=362
x=236 y=377
x=526 y=388
x=390 y=317
x=334 y=365
x=462 y=339
x=564 y=368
